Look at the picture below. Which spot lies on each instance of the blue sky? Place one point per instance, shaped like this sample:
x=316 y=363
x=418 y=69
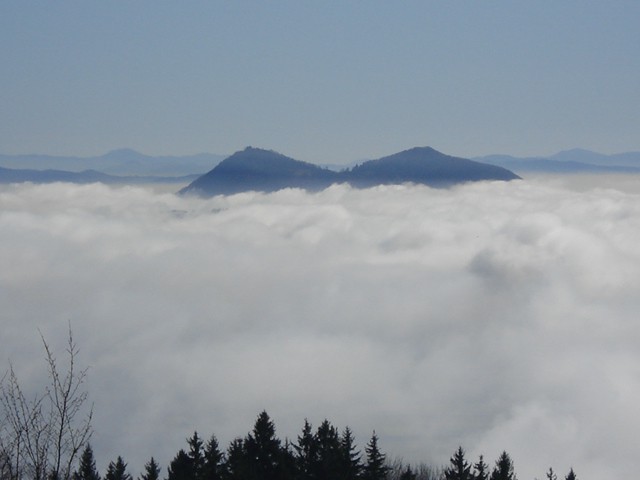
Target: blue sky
x=319 y=81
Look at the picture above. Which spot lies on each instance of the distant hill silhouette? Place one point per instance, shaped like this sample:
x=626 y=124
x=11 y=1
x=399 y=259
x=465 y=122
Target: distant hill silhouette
x=569 y=161
x=13 y=175
x=121 y=162
x=267 y=171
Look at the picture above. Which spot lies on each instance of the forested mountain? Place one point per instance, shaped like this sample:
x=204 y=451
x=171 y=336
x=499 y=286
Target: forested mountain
x=426 y=166
x=261 y=170
x=267 y=171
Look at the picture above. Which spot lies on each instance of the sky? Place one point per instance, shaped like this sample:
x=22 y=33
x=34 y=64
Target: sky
x=494 y=315
x=324 y=82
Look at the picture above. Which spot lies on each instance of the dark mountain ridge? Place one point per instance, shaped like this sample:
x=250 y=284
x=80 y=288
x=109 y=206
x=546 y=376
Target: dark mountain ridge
x=267 y=171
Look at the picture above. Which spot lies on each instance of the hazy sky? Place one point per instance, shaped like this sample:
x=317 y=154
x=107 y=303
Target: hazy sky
x=319 y=81
x=494 y=316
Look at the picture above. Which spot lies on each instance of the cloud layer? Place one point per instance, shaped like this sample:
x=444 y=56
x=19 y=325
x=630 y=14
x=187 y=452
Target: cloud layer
x=494 y=316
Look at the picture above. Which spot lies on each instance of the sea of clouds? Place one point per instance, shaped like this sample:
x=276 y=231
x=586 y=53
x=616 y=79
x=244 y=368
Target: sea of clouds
x=496 y=316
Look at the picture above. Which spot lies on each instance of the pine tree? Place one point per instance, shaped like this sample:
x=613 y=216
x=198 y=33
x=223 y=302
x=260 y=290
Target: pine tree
x=351 y=458
x=196 y=455
x=329 y=454
x=571 y=475
x=375 y=468
x=117 y=471
x=181 y=467
x=87 y=468
x=551 y=475
x=236 y=466
x=213 y=466
x=305 y=452
x=503 y=469
x=263 y=449
x=480 y=470
x=151 y=470
x=460 y=468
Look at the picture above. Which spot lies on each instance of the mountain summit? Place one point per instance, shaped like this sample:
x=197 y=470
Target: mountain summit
x=260 y=170
x=268 y=171
x=426 y=166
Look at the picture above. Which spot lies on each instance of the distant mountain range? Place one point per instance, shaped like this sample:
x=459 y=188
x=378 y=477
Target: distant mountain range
x=569 y=161
x=123 y=163
x=13 y=175
x=267 y=171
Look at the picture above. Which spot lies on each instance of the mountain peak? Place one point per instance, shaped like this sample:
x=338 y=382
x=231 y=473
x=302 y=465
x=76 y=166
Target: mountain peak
x=261 y=170
x=123 y=154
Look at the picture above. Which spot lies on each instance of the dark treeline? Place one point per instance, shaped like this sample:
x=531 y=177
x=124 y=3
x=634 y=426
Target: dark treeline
x=323 y=454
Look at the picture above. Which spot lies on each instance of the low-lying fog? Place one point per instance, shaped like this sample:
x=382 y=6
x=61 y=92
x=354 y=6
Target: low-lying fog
x=493 y=315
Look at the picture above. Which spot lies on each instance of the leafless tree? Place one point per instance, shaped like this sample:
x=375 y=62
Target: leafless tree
x=41 y=437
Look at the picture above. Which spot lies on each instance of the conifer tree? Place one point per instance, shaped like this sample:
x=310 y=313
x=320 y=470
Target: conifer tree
x=504 y=468
x=459 y=468
x=480 y=470
x=329 y=458
x=87 y=468
x=264 y=450
x=213 y=466
x=551 y=475
x=375 y=468
x=151 y=470
x=196 y=454
x=181 y=467
x=351 y=458
x=236 y=466
x=117 y=471
x=571 y=475
x=305 y=452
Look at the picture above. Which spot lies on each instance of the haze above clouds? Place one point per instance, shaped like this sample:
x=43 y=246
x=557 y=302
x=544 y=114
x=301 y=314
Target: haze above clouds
x=328 y=82
x=493 y=315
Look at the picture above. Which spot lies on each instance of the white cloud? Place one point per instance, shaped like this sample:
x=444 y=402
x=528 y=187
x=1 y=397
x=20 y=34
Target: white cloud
x=493 y=316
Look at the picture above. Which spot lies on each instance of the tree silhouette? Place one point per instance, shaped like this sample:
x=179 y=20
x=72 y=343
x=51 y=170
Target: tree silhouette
x=237 y=464
x=196 y=454
x=571 y=475
x=503 y=469
x=151 y=470
x=213 y=466
x=375 y=468
x=329 y=454
x=305 y=453
x=42 y=438
x=459 y=468
x=87 y=468
x=181 y=467
x=350 y=457
x=264 y=451
x=480 y=469
x=117 y=471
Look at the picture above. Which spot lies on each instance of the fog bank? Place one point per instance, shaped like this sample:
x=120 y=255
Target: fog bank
x=493 y=316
